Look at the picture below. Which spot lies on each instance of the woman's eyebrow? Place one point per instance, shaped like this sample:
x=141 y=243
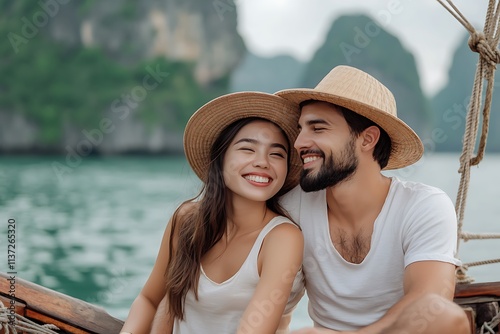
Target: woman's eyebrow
x=247 y=140
x=255 y=141
x=279 y=146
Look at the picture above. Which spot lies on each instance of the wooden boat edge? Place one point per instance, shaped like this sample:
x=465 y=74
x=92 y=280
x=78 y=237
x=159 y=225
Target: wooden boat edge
x=43 y=303
x=77 y=316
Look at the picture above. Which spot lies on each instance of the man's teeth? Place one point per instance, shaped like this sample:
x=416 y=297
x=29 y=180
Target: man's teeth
x=259 y=179
x=309 y=159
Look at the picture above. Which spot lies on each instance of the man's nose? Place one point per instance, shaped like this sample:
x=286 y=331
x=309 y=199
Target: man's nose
x=303 y=141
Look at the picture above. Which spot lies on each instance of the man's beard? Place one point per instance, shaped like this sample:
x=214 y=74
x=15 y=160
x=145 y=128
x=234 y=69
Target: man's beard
x=331 y=173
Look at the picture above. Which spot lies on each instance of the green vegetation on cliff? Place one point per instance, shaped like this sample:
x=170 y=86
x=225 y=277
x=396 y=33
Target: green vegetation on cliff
x=56 y=85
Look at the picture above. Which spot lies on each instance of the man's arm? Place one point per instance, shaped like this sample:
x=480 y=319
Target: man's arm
x=420 y=279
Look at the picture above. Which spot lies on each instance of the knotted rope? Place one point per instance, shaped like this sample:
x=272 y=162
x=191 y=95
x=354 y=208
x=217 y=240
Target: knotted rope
x=486 y=45
x=488 y=327
x=22 y=325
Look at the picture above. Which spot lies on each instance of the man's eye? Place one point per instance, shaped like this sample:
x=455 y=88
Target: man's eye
x=318 y=128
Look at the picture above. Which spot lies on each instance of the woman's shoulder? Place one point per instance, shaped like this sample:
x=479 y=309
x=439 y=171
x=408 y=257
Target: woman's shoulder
x=187 y=208
x=284 y=229
x=283 y=246
x=278 y=220
x=182 y=214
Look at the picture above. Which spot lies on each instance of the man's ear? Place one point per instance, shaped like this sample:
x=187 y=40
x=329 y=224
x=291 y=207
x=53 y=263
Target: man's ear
x=370 y=137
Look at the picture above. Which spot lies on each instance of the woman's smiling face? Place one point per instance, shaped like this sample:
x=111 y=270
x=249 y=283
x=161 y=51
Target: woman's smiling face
x=256 y=162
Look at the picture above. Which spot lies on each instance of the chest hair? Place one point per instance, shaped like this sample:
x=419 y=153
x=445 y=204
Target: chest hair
x=352 y=246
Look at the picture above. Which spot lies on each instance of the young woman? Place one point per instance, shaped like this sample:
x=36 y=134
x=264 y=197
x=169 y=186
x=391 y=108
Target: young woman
x=230 y=259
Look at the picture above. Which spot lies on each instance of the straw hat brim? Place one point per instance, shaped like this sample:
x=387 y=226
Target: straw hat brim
x=406 y=146
x=207 y=123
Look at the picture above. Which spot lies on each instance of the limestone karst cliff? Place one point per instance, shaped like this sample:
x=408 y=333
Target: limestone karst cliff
x=141 y=66
x=129 y=31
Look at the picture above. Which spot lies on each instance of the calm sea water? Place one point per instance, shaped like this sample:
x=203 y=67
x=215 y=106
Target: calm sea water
x=92 y=230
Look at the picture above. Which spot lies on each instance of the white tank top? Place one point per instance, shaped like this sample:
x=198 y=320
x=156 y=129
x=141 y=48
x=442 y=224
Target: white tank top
x=220 y=306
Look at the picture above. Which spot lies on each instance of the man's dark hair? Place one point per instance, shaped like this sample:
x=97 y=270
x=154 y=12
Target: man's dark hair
x=358 y=124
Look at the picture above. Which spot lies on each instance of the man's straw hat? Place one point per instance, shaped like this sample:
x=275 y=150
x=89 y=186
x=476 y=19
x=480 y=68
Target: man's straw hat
x=207 y=123
x=358 y=91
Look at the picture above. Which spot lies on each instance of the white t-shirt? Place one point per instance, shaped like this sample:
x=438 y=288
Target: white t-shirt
x=416 y=223
x=220 y=306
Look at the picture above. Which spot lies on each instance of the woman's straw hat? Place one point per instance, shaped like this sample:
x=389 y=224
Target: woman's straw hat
x=358 y=91
x=207 y=123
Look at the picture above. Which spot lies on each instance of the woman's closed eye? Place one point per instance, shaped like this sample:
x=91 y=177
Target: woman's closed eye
x=278 y=154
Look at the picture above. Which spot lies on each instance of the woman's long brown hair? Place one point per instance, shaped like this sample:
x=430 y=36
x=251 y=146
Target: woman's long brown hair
x=199 y=230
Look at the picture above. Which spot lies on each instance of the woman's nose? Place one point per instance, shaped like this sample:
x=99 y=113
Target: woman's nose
x=261 y=160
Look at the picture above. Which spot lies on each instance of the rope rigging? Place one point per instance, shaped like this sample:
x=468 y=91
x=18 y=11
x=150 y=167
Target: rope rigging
x=488 y=327
x=486 y=45
x=21 y=324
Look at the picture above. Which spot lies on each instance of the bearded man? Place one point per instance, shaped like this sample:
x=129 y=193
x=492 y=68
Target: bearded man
x=379 y=252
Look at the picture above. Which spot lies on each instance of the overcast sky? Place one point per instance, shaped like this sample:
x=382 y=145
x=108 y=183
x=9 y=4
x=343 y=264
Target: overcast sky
x=298 y=28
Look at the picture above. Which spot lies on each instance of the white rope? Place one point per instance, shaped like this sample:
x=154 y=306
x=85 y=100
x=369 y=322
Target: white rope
x=466 y=236
x=15 y=323
x=486 y=44
x=489 y=326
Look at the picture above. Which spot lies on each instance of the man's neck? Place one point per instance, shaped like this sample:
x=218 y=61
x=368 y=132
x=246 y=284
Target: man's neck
x=361 y=197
